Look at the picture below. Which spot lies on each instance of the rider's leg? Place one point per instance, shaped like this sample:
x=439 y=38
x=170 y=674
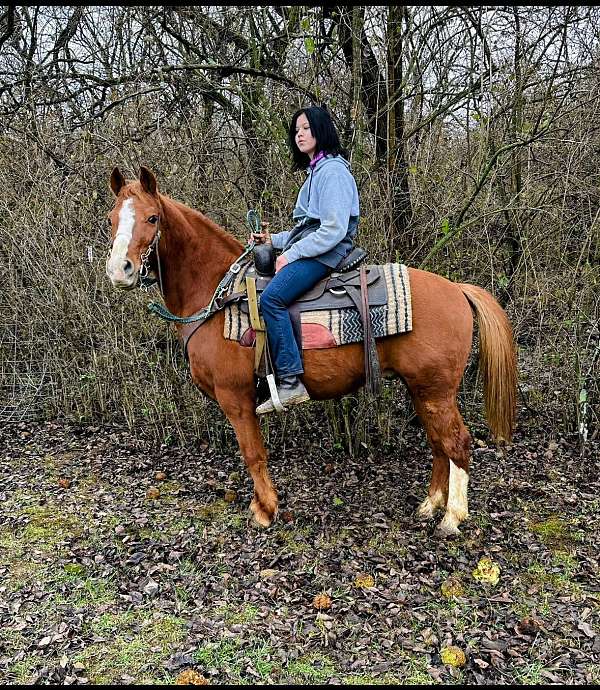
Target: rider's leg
x=291 y=282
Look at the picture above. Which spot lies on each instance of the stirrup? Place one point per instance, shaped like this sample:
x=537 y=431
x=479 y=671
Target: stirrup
x=274 y=393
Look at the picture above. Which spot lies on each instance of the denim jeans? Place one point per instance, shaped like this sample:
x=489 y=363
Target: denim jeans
x=288 y=284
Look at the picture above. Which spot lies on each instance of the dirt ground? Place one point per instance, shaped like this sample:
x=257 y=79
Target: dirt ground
x=127 y=563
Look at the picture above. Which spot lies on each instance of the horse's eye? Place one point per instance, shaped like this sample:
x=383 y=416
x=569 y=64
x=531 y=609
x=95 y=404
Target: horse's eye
x=153 y=220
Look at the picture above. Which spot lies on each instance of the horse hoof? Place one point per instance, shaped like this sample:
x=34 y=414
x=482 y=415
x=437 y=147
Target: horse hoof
x=444 y=531
x=425 y=511
x=260 y=516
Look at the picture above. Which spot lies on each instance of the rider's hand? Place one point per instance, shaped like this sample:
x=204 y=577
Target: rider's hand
x=280 y=263
x=261 y=237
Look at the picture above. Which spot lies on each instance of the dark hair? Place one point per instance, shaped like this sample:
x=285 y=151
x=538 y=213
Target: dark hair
x=322 y=129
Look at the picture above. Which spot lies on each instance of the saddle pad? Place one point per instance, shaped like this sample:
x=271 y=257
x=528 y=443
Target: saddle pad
x=343 y=325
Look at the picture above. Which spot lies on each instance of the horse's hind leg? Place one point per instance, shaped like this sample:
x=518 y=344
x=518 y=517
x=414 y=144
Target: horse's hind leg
x=438 y=488
x=451 y=443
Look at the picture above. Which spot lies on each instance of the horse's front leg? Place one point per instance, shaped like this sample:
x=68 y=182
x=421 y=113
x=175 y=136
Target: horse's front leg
x=239 y=408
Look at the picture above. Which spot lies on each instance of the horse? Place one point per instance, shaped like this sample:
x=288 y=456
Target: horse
x=194 y=255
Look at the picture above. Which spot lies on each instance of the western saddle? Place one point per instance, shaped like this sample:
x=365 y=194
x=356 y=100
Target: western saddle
x=351 y=285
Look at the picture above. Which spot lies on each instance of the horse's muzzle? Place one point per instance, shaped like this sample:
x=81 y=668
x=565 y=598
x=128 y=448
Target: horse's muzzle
x=122 y=274
x=124 y=285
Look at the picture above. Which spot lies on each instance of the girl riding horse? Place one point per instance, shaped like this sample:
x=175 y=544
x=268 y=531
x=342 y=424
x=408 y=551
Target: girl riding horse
x=326 y=215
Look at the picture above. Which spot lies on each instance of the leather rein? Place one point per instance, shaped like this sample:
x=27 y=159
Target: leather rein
x=215 y=304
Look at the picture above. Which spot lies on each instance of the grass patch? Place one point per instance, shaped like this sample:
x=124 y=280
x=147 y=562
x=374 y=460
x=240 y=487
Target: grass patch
x=232 y=657
x=593 y=671
x=530 y=674
x=416 y=671
x=538 y=575
x=233 y=615
x=221 y=514
x=365 y=679
x=412 y=670
x=312 y=669
x=136 y=645
x=89 y=592
x=24 y=670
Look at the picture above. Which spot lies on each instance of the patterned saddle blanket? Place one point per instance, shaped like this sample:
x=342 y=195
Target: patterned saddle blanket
x=328 y=316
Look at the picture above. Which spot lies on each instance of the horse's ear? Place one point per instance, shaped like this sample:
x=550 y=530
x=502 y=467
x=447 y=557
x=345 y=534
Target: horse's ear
x=148 y=180
x=117 y=181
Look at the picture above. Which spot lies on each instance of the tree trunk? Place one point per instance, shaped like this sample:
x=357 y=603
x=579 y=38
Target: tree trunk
x=372 y=83
x=400 y=202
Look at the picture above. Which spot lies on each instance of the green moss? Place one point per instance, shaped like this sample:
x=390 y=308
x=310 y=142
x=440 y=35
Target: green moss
x=220 y=513
x=555 y=531
x=49 y=525
x=11 y=546
x=566 y=561
x=295 y=540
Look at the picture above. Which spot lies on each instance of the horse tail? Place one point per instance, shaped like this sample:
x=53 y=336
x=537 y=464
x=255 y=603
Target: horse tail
x=497 y=361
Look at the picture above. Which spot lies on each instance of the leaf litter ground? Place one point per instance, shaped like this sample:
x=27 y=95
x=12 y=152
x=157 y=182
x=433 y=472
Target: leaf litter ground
x=126 y=563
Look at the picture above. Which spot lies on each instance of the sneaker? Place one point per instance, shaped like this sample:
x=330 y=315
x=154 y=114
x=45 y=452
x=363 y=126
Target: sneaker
x=291 y=392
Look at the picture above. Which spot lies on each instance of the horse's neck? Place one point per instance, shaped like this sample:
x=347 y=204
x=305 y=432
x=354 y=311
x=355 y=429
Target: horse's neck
x=195 y=254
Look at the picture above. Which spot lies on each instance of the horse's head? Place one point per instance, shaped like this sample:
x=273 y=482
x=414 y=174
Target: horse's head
x=134 y=222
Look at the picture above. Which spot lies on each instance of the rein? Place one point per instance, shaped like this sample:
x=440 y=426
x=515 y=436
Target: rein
x=204 y=314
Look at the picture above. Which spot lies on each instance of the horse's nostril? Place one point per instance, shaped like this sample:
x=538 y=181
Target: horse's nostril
x=128 y=267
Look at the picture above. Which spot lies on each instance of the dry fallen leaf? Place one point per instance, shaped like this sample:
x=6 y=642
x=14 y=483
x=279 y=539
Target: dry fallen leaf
x=487 y=571
x=191 y=677
x=364 y=581
x=586 y=629
x=453 y=656
x=452 y=587
x=160 y=476
x=528 y=626
x=152 y=492
x=229 y=496
x=322 y=602
x=64 y=483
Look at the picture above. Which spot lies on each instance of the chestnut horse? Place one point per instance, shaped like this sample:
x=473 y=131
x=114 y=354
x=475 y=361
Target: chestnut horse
x=194 y=255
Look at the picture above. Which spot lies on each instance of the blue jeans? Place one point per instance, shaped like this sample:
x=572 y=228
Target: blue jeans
x=288 y=284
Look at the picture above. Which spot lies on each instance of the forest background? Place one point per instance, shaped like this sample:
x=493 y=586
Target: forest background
x=474 y=137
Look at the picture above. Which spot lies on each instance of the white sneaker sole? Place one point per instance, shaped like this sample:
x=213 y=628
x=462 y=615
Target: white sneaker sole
x=268 y=406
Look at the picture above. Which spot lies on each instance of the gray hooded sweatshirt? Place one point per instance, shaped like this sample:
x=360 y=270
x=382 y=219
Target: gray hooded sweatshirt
x=326 y=212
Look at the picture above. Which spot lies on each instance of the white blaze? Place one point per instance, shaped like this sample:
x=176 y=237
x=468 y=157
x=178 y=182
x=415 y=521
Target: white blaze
x=118 y=255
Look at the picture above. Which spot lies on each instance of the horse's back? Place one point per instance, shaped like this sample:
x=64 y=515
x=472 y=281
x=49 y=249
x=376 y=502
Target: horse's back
x=436 y=349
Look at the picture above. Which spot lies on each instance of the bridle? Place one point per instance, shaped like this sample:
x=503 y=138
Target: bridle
x=145 y=280
x=217 y=302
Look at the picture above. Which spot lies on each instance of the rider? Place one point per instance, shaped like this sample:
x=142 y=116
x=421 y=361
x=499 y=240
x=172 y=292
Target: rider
x=326 y=216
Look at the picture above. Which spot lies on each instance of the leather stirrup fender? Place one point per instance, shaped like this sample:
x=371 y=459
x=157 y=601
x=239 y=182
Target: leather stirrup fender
x=255 y=321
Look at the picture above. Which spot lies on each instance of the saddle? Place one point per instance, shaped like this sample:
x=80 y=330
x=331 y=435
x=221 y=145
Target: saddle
x=347 y=286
